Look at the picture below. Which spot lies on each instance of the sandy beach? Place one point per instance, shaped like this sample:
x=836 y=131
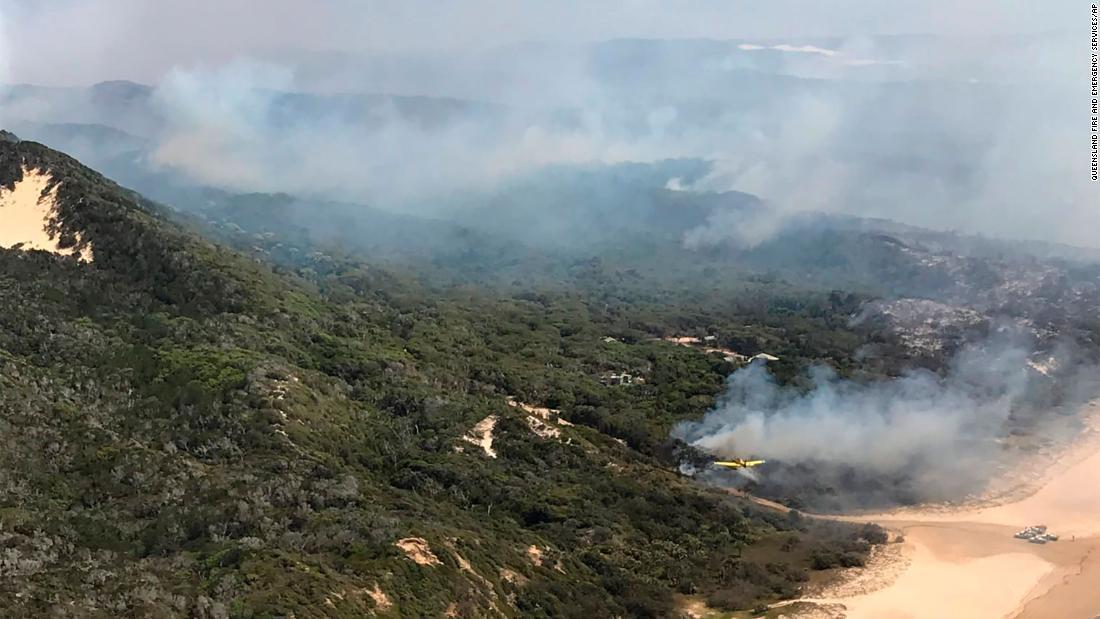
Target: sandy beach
x=965 y=562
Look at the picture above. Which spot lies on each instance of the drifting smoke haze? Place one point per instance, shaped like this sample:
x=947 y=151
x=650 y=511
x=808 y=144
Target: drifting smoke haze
x=851 y=114
x=939 y=437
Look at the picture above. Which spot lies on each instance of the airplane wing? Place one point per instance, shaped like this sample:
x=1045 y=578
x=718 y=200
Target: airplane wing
x=739 y=464
x=730 y=465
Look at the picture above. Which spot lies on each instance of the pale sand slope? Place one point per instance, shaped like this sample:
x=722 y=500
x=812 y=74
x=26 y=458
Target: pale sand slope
x=965 y=563
x=27 y=212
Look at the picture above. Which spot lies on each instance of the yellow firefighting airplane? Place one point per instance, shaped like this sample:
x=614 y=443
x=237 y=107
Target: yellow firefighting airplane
x=739 y=463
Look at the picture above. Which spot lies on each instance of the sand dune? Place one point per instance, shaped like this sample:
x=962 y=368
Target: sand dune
x=28 y=212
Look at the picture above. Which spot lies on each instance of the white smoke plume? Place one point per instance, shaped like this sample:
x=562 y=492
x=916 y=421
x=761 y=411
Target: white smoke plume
x=942 y=434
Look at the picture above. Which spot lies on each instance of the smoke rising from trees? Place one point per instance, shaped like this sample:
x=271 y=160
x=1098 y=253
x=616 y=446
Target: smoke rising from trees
x=940 y=434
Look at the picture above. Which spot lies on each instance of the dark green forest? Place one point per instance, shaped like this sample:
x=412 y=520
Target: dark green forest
x=218 y=428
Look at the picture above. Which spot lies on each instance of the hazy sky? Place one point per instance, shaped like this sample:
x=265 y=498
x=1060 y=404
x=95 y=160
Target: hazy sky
x=967 y=131
x=83 y=41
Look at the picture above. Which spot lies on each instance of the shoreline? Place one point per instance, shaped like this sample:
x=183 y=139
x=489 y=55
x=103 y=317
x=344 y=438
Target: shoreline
x=962 y=560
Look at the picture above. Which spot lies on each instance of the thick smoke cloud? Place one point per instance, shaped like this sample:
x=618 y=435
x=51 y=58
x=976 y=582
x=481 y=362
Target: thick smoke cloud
x=806 y=106
x=241 y=127
x=942 y=435
x=985 y=142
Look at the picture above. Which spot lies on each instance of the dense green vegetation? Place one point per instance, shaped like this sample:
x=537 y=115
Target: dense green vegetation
x=189 y=433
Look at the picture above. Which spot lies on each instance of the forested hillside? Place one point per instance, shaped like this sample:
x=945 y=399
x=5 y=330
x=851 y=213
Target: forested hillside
x=190 y=432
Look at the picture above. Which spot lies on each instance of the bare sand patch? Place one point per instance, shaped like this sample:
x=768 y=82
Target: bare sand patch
x=682 y=340
x=731 y=356
x=541 y=428
x=534 y=555
x=482 y=435
x=29 y=217
x=513 y=577
x=417 y=549
x=542 y=412
x=540 y=419
x=381 y=600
